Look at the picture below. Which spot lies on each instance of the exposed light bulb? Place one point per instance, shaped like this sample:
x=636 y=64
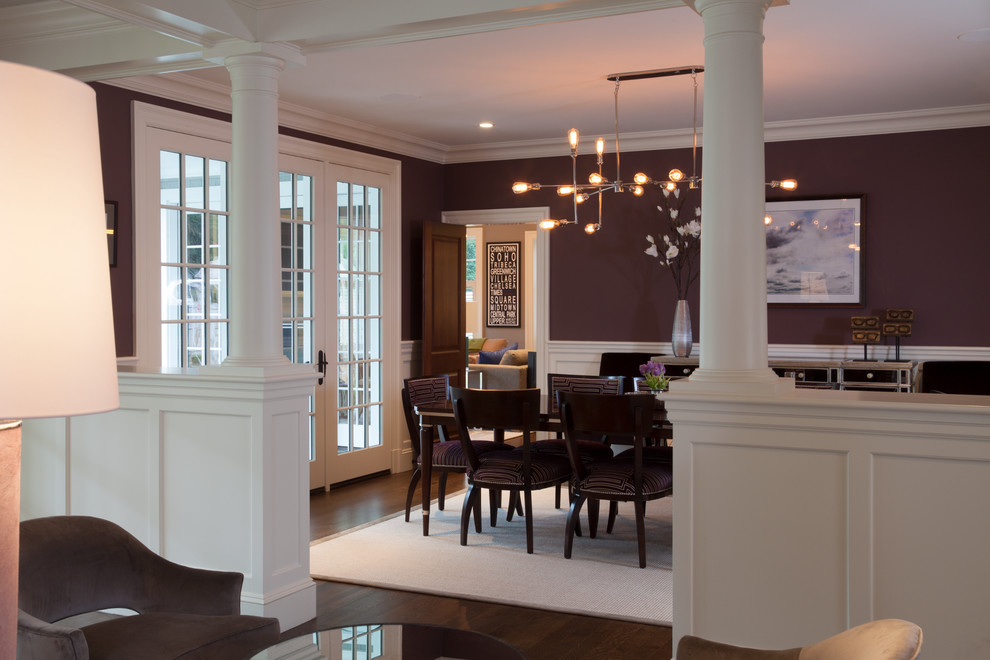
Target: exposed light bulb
x=670 y=185
x=675 y=175
x=591 y=228
x=767 y=219
x=786 y=184
x=637 y=190
x=549 y=223
x=565 y=190
x=595 y=178
x=640 y=178
x=582 y=197
x=522 y=186
x=572 y=137
x=600 y=146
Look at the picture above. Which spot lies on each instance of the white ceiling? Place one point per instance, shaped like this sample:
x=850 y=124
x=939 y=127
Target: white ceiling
x=431 y=70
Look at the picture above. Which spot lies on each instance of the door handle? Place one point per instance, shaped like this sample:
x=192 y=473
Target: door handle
x=321 y=365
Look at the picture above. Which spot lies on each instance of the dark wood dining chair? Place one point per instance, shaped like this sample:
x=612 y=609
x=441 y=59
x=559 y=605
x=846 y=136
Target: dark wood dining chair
x=614 y=480
x=448 y=454
x=623 y=364
x=518 y=472
x=591 y=447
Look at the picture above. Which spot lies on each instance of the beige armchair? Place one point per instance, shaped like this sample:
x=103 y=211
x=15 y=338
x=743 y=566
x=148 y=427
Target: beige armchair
x=886 y=639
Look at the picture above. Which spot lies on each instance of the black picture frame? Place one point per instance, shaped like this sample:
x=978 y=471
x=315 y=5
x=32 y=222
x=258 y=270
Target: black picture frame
x=110 y=208
x=502 y=279
x=815 y=254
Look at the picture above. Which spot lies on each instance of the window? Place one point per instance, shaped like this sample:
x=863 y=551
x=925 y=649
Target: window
x=472 y=273
x=194 y=265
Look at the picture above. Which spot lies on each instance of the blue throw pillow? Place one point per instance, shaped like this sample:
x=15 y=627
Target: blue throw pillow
x=495 y=357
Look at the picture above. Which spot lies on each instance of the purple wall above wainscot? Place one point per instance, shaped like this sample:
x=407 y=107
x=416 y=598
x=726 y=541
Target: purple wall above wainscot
x=925 y=241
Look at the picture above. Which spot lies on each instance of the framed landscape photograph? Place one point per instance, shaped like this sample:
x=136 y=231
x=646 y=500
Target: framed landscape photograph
x=815 y=251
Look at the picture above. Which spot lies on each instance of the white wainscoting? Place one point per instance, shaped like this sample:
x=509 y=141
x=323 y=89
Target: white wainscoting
x=798 y=516
x=582 y=357
x=206 y=470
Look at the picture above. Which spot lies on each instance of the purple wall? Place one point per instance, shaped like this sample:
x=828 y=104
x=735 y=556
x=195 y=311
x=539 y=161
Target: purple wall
x=925 y=243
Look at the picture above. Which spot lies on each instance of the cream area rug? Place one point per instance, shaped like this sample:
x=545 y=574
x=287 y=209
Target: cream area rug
x=601 y=579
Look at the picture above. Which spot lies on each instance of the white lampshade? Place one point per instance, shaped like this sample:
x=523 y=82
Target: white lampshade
x=57 y=354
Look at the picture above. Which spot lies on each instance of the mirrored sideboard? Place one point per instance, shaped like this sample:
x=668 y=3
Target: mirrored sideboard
x=892 y=376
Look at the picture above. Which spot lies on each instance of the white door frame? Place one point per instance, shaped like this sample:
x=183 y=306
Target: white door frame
x=522 y=216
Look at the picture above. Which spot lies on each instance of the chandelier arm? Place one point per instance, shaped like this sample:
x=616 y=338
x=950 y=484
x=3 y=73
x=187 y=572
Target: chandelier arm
x=618 y=176
x=574 y=195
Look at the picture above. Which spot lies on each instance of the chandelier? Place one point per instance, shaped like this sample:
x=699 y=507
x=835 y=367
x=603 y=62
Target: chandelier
x=597 y=183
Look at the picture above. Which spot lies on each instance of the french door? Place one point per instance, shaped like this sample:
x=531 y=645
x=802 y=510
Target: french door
x=355 y=441
x=332 y=310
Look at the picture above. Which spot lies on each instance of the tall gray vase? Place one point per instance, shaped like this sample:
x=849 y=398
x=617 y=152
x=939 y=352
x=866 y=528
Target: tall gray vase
x=681 y=339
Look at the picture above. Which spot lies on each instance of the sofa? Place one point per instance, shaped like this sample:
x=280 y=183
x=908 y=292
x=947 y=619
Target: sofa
x=516 y=370
x=492 y=347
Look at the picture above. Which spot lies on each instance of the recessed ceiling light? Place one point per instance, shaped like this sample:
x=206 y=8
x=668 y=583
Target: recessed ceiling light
x=486 y=124
x=983 y=34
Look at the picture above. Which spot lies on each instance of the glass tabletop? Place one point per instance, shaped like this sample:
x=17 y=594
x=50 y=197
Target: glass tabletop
x=387 y=641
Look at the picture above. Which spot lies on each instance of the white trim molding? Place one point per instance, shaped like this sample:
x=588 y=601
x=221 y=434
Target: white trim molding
x=541 y=285
x=191 y=90
x=582 y=357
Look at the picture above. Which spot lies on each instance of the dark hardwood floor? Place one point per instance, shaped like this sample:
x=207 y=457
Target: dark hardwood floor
x=539 y=634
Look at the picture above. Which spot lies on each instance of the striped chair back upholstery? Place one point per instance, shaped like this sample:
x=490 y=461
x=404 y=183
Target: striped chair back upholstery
x=580 y=383
x=419 y=391
x=428 y=389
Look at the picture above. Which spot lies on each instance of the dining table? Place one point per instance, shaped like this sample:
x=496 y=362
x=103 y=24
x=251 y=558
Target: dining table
x=441 y=413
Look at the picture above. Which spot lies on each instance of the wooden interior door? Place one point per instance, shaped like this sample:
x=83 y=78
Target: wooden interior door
x=444 y=272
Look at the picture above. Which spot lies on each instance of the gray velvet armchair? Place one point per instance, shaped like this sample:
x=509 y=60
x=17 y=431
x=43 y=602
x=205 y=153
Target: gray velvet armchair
x=71 y=565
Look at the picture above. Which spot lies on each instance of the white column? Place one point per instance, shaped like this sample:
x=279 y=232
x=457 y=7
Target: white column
x=733 y=314
x=255 y=283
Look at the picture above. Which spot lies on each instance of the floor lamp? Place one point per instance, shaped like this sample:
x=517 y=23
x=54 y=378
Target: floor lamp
x=57 y=355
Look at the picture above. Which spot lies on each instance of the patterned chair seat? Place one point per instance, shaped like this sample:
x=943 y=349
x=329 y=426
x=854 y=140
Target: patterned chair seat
x=590 y=450
x=451 y=453
x=616 y=477
x=632 y=478
x=506 y=469
x=520 y=471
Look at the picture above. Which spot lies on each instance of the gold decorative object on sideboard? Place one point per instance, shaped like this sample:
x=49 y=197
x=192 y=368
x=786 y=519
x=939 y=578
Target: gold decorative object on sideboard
x=897 y=324
x=865 y=331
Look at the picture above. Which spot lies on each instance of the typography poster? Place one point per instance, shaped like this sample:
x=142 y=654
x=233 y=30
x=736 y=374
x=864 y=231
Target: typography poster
x=503 y=285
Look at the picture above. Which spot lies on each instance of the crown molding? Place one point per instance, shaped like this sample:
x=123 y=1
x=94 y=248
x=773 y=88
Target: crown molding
x=194 y=91
x=187 y=89
x=932 y=119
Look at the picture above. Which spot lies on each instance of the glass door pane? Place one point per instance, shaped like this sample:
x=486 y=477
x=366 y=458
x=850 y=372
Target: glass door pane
x=299 y=340
x=358 y=317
